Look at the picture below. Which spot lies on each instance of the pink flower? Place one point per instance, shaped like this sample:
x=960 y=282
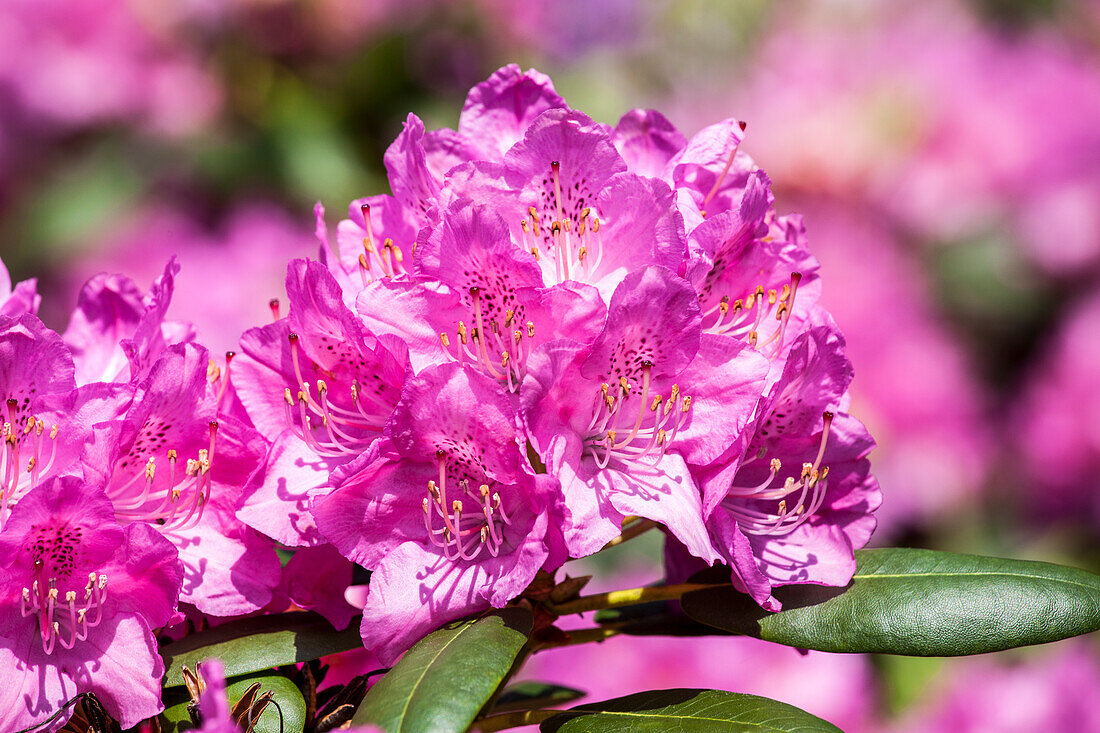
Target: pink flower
x=21 y=299
x=620 y=421
x=169 y=459
x=79 y=598
x=35 y=371
x=447 y=511
x=792 y=504
x=117 y=332
x=319 y=387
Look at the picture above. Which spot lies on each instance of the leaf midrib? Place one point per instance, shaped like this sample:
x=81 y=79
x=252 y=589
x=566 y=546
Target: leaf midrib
x=894 y=576
x=672 y=717
x=424 y=673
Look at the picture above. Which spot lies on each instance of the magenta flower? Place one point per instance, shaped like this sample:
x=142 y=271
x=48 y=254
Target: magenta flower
x=319 y=387
x=447 y=512
x=755 y=277
x=315 y=579
x=23 y=298
x=791 y=504
x=172 y=461
x=381 y=231
x=79 y=598
x=620 y=421
x=116 y=332
x=35 y=368
x=478 y=299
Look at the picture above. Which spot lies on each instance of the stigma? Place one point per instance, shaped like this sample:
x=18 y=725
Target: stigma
x=378 y=261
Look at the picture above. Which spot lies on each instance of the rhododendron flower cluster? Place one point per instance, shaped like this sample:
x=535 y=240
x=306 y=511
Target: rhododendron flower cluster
x=552 y=329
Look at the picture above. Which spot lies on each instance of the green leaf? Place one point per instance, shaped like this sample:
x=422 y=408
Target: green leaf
x=447 y=677
x=686 y=711
x=255 y=644
x=287 y=695
x=529 y=695
x=920 y=603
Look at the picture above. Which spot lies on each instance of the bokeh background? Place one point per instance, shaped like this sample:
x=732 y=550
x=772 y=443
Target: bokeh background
x=945 y=154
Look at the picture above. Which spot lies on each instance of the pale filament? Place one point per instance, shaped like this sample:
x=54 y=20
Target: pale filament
x=500 y=348
x=182 y=504
x=718 y=181
x=575 y=254
x=27 y=453
x=464 y=534
x=387 y=258
x=324 y=426
x=810 y=487
x=62 y=618
x=745 y=317
x=647 y=422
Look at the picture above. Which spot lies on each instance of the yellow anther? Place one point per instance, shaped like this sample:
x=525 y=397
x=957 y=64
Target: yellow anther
x=611 y=437
x=596 y=225
x=783 y=506
x=172 y=455
x=753 y=338
x=535 y=253
x=286 y=395
x=321 y=386
x=582 y=253
x=367 y=245
x=518 y=335
x=150 y=469
x=687 y=404
x=806 y=469
x=70 y=596
x=674 y=394
x=456 y=506
x=776 y=465
x=585 y=212
x=656 y=403
x=772 y=297
x=530 y=330
x=425 y=504
x=785 y=293
x=624 y=385
x=504 y=357
x=484 y=489
x=444 y=340
x=661 y=436
x=509 y=315
x=364 y=262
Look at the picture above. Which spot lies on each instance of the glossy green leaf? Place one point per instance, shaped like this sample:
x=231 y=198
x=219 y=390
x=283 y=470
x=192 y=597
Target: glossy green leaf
x=255 y=644
x=530 y=695
x=920 y=603
x=686 y=711
x=448 y=676
x=287 y=695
